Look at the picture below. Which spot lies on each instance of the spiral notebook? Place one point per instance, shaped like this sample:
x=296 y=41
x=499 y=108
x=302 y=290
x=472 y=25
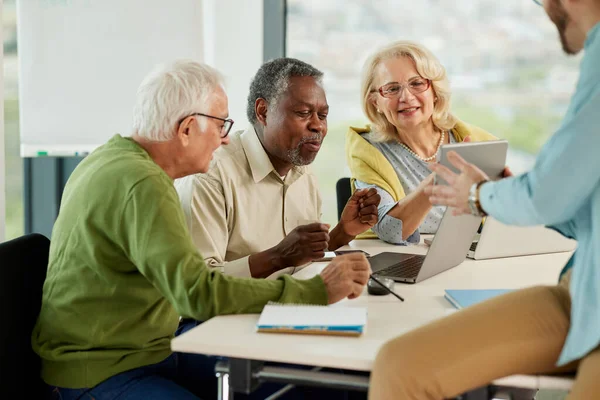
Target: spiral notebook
x=311 y=319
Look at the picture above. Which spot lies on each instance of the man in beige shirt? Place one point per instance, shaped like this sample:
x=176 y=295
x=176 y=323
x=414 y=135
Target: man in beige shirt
x=258 y=208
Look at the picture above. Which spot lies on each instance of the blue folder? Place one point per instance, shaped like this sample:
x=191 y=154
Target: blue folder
x=467 y=297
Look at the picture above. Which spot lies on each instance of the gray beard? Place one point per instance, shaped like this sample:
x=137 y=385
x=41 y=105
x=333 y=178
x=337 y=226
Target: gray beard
x=294 y=154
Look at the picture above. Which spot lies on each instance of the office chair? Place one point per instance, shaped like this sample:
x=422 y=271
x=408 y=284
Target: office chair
x=23 y=265
x=343 y=191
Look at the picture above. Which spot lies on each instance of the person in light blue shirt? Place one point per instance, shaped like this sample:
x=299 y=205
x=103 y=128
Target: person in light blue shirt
x=544 y=329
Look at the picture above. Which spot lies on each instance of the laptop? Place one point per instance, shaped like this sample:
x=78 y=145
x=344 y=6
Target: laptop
x=497 y=240
x=448 y=249
x=455 y=233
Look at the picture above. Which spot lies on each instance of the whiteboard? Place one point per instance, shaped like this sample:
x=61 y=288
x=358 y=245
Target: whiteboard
x=81 y=61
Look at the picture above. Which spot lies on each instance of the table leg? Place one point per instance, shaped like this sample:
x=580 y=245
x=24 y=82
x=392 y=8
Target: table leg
x=224 y=392
x=244 y=376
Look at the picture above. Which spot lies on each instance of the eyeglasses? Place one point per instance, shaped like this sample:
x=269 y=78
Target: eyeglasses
x=227 y=123
x=415 y=86
x=538 y=2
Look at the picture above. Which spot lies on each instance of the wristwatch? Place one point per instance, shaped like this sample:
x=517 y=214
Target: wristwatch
x=474 y=204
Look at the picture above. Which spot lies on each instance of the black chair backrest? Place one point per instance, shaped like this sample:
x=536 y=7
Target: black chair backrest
x=343 y=191
x=23 y=265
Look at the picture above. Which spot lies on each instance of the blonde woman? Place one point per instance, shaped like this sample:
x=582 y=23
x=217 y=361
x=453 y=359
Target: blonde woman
x=406 y=96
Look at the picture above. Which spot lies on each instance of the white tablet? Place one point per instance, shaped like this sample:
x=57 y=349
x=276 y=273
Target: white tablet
x=489 y=156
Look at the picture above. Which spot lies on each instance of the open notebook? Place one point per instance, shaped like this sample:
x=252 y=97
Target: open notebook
x=311 y=319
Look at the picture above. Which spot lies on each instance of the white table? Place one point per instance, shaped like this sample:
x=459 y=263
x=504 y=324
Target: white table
x=236 y=337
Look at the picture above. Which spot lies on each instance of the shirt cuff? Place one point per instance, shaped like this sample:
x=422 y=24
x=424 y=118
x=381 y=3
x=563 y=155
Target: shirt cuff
x=239 y=268
x=486 y=197
x=415 y=237
x=389 y=229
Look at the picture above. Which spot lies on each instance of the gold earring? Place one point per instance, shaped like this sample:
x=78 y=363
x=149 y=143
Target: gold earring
x=379 y=111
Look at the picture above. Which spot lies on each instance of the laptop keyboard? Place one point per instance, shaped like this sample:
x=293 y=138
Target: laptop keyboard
x=407 y=269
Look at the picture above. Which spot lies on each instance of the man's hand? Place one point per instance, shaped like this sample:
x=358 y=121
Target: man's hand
x=346 y=276
x=507 y=173
x=456 y=194
x=360 y=212
x=303 y=244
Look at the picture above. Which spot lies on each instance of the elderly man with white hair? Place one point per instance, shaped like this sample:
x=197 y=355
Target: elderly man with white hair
x=122 y=265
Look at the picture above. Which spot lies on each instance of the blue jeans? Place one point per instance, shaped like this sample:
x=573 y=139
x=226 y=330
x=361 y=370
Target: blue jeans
x=180 y=376
x=158 y=381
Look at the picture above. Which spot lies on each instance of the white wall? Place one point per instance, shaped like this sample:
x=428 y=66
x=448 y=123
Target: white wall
x=81 y=62
x=233 y=43
x=227 y=34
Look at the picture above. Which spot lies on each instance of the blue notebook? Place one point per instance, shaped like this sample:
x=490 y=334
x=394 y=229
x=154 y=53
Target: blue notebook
x=468 y=297
x=311 y=319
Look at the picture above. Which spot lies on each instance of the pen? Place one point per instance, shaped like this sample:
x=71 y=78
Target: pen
x=386 y=288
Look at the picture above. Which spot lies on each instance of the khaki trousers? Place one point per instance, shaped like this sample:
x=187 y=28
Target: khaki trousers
x=521 y=332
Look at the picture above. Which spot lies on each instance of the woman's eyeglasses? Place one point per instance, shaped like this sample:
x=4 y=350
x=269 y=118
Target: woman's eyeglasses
x=394 y=89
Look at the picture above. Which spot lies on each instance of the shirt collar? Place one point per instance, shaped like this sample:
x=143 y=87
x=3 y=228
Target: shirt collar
x=259 y=161
x=592 y=36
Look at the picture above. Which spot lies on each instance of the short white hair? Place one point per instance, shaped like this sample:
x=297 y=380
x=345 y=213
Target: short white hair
x=169 y=93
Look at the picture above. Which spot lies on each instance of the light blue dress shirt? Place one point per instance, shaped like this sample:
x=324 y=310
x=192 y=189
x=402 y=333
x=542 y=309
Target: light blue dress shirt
x=563 y=191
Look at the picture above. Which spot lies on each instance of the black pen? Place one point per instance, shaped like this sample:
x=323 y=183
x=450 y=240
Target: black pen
x=387 y=288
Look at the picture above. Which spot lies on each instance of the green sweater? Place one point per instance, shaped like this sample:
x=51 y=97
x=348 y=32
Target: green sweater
x=123 y=268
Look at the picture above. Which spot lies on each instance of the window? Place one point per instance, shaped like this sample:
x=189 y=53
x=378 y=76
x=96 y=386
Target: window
x=506 y=68
x=14 y=162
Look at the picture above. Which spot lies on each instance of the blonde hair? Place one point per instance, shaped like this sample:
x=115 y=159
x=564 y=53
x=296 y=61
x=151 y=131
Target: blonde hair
x=428 y=66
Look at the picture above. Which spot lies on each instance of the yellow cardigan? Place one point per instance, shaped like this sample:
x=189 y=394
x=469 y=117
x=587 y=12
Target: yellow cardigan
x=368 y=165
